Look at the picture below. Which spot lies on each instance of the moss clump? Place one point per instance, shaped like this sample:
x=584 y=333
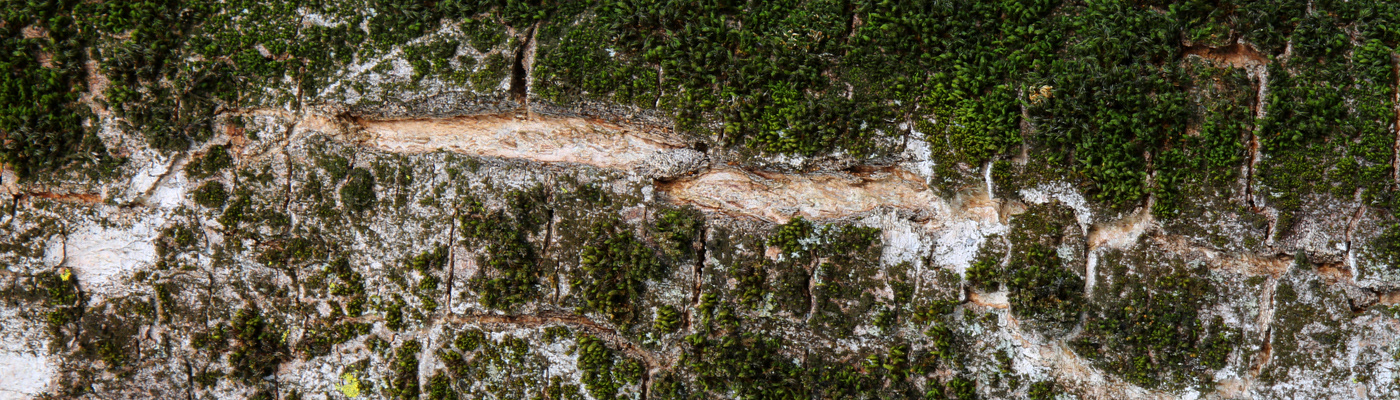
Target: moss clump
x=1145 y=324
x=175 y=239
x=510 y=274
x=1384 y=252
x=351 y=287
x=319 y=341
x=1042 y=290
x=257 y=347
x=393 y=314
x=841 y=259
x=985 y=273
x=469 y=340
x=41 y=122
x=596 y=361
x=554 y=333
x=667 y=386
x=743 y=364
x=963 y=388
x=668 y=319
x=676 y=230
x=211 y=195
x=212 y=162
x=1043 y=390
x=1042 y=287
x=237 y=210
x=336 y=166
x=751 y=285
x=403 y=380
x=64 y=298
x=440 y=387
x=427 y=264
x=1312 y=325
x=614 y=269
x=358 y=194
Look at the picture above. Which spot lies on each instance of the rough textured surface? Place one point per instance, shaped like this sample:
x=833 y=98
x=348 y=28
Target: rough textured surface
x=695 y=200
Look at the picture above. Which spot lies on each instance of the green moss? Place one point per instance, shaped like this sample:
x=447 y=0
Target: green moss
x=211 y=195
x=469 y=340
x=65 y=299
x=788 y=236
x=493 y=70
x=42 y=120
x=174 y=239
x=428 y=264
x=212 y=162
x=440 y=387
x=677 y=229
x=986 y=272
x=596 y=361
x=512 y=276
x=614 y=269
x=1145 y=323
x=358 y=193
x=667 y=386
x=393 y=314
x=745 y=365
x=256 y=348
x=963 y=388
x=843 y=259
x=1043 y=390
x=336 y=167
x=554 y=333
x=668 y=319
x=403 y=381
x=1386 y=251
x=1042 y=290
x=237 y=210
x=484 y=34
x=530 y=208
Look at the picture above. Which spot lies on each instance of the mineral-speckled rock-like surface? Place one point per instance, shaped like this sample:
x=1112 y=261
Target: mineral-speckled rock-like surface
x=699 y=200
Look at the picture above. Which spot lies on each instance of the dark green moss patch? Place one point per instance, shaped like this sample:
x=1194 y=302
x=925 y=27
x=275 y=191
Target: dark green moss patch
x=597 y=363
x=211 y=195
x=1042 y=290
x=255 y=346
x=1146 y=324
x=212 y=162
x=677 y=229
x=667 y=319
x=403 y=381
x=842 y=259
x=510 y=275
x=614 y=269
x=358 y=193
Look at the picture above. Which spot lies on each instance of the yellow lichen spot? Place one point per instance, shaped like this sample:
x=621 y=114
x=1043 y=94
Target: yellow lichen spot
x=65 y=273
x=351 y=388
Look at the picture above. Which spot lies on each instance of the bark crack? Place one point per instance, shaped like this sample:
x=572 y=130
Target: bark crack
x=697 y=271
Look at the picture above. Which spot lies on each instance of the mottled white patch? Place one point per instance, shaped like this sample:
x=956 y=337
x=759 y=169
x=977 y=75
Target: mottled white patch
x=904 y=240
x=1091 y=266
x=1066 y=194
x=23 y=376
x=957 y=242
x=148 y=177
x=170 y=193
x=101 y=255
x=918 y=155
